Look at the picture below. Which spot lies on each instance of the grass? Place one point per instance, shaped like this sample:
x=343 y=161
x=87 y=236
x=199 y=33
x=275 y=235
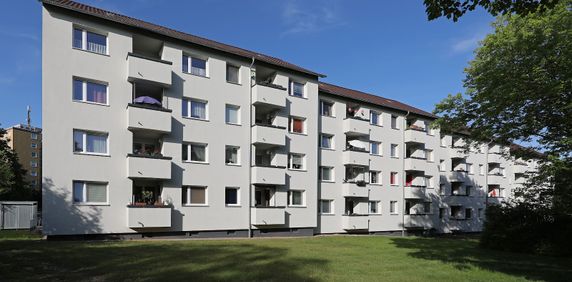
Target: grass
x=327 y=258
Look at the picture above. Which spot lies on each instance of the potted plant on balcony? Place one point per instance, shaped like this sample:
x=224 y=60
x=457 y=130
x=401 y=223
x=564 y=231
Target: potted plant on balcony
x=148 y=197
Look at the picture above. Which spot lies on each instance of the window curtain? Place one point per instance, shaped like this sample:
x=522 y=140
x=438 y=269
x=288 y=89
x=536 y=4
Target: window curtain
x=96 y=93
x=78 y=141
x=326 y=142
x=298 y=125
x=96 y=43
x=198 y=110
x=96 y=143
x=297 y=160
x=198 y=196
x=232 y=74
x=231 y=115
x=96 y=193
x=198 y=67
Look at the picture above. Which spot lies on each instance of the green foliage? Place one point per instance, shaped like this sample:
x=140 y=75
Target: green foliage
x=456 y=8
x=13 y=186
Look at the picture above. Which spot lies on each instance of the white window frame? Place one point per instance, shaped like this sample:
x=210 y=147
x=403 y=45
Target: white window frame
x=189 y=102
x=324 y=135
x=34 y=155
x=379 y=177
x=190 y=66
x=238 y=202
x=238 y=77
x=34 y=145
x=332 y=114
x=442 y=166
x=397 y=127
x=237 y=108
x=394 y=153
x=84 y=191
x=470 y=169
x=481 y=169
x=290 y=197
x=291 y=123
x=395 y=206
x=34 y=136
x=84 y=32
x=84 y=82
x=331 y=168
x=330 y=204
x=377 y=205
x=290 y=163
x=189 y=148
x=238 y=157
x=396 y=178
x=292 y=82
x=429 y=155
x=188 y=203
x=84 y=142
x=379 y=148
x=379 y=118
x=429 y=181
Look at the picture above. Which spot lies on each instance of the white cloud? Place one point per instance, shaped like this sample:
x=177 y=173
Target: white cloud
x=302 y=18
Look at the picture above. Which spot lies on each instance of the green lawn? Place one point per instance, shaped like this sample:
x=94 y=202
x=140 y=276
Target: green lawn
x=340 y=258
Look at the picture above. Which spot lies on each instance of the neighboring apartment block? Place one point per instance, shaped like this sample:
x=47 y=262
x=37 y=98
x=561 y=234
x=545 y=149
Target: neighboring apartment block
x=26 y=141
x=147 y=129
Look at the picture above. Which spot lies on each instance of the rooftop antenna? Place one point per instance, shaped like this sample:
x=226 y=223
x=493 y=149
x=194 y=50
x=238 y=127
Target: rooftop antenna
x=29 y=118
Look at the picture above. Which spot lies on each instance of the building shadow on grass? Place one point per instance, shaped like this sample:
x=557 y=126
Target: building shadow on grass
x=464 y=254
x=151 y=260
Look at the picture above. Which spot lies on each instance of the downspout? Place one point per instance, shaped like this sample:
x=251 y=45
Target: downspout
x=251 y=85
x=403 y=177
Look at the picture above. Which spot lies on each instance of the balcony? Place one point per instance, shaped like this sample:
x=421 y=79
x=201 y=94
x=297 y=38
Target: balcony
x=423 y=221
x=355 y=190
x=416 y=136
x=412 y=192
x=270 y=95
x=496 y=179
x=148 y=217
x=268 y=215
x=416 y=164
x=148 y=118
x=458 y=176
x=353 y=157
x=148 y=167
x=355 y=222
x=269 y=134
x=141 y=68
x=495 y=158
x=356 y=126
x=456 y=153
x=269 y=175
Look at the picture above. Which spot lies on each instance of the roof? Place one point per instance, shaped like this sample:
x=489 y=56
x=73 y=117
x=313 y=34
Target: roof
x=372 y=99
x=164 y=31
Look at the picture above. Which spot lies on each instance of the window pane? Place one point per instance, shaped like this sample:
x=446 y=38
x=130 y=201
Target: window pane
x=231 y=196
x=326 y=141
x=78 y=192
x=96 y=43
x=198 y=67
x=298 y=89
x=325 y=206
x=231 y=74
x=185 y=152
x=198 y=195
x=185 y=107
x=326 y=173
x=96 y=93
x=232 y=114
x=198 y=109
x=296 y=198
x=77 y=90
x=185 y=64
x=297 y=125
x=198 y=153
x=77 y=38
x=96 y=143
x=96 y=193
x=231 y=155
x=77 y=141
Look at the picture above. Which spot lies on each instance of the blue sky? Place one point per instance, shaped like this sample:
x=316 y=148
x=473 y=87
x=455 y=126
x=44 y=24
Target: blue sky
x=387 y=48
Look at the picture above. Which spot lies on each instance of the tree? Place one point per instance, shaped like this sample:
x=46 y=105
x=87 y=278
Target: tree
x=13 y=186
x=457 y=8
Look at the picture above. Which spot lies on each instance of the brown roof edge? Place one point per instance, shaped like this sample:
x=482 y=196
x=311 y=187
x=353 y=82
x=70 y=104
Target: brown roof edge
x=165 y=31
x=372 y=99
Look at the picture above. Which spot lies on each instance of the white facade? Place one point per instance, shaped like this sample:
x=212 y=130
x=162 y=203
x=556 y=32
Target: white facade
x=235 y=146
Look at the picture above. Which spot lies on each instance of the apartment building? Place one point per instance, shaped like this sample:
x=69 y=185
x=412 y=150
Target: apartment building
x=148 y=130
x=26 y=141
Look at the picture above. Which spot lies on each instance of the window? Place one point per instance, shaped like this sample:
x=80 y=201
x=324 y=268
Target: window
x=470 y=168
x=198 y=109
x=34 y=154
x=427 y=207
x=34 y=136
x=295 y=198
x=375 y=177
x=375 y=148
x=232 y=155
x=326 y=141
x=443 y=141
x=393 y=207
x=326 y=173
x=429 y=155
x=442 y=189
x=195 y=152
x=33 y=164
x=374 y=118
x=394 y=123
x=296 y=161
x=231 y=196
x=429 y=181
x=373 y=207
x=327 y=108
x=194 y=65
x=89 y=41
x=232 y=73
x=441 y=165
x=481 y=169
x=89 y=142
x=442 y=212
x=468 y=190
x=296 y=89
x=394 y=151
x=89 y=91
x=393 y=178
x=89 y=192
x=468 y=213
x=194 y=195
x=326 y=207
x=34 y=145
x=503 y=171
x=33 y=173
x=297 y=125
x=232 y=114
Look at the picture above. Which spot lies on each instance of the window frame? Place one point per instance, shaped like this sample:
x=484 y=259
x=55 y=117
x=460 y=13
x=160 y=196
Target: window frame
x=291 y=125
x=379 y=118
x=396 y=125
x=396 y=178
x=331 y=137
x=379 y=174
x=190 y=102
x=187 y=201
x=84 y=193
x=321 y=173
x=290 y=163
x=84 y=142
x=376 y=204
x=190 y=65
x=189 y=152
x=235 y=107
x=238 y=162
x=237 y=73
x=395 y=209
x=291 y=85
x=331 y=104
x=84 y=32
x=302 y=198
x=394 y=151
x=237 y=189
x=379 y=148
x=84 y=82
x=330 y=205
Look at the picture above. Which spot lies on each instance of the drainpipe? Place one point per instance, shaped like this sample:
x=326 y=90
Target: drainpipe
x=403 y=178
x=251 y=76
